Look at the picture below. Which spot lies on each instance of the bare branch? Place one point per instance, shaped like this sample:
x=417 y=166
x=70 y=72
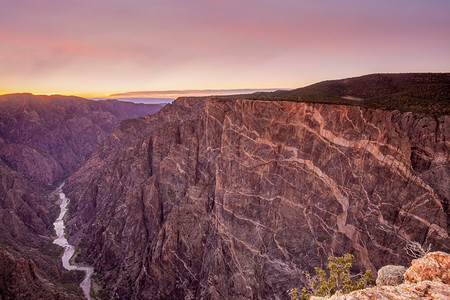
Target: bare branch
x=416 y=250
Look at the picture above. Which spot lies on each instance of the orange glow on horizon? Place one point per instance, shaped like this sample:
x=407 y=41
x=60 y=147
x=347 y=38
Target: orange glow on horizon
x=169 y=94
x=88 y=49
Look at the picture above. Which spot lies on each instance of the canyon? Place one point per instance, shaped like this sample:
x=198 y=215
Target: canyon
x=42 y=140
x=235 y=197
x=46 y=138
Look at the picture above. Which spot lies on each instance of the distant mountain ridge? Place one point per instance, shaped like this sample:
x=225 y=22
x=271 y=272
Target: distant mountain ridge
x=46 y=137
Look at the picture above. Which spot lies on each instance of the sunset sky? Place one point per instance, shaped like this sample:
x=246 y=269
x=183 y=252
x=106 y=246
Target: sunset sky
x=96 y=48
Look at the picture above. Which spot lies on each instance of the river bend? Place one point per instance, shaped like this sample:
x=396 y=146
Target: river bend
x=69 y=249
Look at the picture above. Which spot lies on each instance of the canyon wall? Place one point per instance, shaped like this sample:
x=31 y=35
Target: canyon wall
x=233 y=199
x=43 y=139
x=30 y=265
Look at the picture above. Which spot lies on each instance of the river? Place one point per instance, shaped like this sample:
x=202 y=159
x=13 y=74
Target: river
x=68 y=248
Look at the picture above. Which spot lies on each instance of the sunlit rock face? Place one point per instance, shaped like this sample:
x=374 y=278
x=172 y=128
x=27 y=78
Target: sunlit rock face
x=435 y=266
x=234 y=199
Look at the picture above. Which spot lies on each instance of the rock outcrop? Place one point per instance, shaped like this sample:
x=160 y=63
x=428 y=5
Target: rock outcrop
x=422 y=290
x=427 y=278
x=434 y=266
x=21 y=279
x=391 y=275
x=234 y=199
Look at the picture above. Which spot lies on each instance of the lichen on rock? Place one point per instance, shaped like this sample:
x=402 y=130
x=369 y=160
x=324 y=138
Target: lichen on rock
x=390 y=275
x=435 y=266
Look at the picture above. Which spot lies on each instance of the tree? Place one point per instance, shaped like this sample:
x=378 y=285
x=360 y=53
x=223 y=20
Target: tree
x=338 y=278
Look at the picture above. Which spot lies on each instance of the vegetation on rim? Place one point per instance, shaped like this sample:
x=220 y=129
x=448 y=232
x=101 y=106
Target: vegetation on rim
x=427 y=93
x=337 y=279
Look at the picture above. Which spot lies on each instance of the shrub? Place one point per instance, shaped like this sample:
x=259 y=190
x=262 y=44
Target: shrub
x=338 y=278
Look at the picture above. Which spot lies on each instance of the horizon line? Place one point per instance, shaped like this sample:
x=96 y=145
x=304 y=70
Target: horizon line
x=191 y=92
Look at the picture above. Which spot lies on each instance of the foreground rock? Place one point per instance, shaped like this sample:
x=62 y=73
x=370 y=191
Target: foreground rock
x=427 y=278
x=234 y=199
x=435 y=266
x=391 y=275
x=422 y=290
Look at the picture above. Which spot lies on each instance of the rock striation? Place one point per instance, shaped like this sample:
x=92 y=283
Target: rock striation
x=234 y=199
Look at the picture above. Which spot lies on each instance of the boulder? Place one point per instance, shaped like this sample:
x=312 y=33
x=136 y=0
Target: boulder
x=390 y=275
x=421 y=290
x=427 y=278
x=435 y=266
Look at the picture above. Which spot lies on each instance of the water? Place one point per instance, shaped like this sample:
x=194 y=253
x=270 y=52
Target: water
x=69 y=249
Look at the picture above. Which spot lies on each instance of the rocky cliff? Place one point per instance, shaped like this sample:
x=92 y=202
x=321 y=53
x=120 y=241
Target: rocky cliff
x=43 y=139
x=234 y=199
x=30 y=265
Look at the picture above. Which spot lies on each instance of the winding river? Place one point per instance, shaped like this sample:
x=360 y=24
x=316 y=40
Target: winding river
x=69 y=249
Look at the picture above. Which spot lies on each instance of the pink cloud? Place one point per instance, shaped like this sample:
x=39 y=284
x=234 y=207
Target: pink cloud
x=141 y=45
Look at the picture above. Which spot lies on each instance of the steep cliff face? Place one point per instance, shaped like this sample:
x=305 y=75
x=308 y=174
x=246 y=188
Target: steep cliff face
x=47 y=137
x=234 y=199
x=43 y=139
x=30 y=265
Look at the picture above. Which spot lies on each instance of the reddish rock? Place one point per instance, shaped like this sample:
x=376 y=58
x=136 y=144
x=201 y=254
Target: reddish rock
x=427 y=278
x=43 y=139
x=435 y=266
x=422 y=290
x=234 y=199
x=21 y=279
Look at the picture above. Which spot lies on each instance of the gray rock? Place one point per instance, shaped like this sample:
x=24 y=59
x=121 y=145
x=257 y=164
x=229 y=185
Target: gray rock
x=390 y=275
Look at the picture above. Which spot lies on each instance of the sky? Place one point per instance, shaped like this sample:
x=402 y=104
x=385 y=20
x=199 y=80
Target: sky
x=100 y=48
